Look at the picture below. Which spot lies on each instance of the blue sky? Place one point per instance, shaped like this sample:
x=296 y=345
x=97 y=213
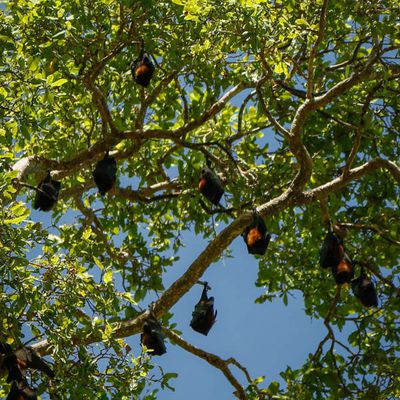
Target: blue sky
x=265 y=338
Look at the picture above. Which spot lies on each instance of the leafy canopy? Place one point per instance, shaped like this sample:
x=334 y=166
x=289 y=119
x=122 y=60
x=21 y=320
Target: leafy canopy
x=296 y=106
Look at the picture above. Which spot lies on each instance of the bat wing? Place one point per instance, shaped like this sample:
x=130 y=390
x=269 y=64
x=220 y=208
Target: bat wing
x=153 y=338
x=368 y=295
x=104 y=174
x=330 y=252
x=203 y=316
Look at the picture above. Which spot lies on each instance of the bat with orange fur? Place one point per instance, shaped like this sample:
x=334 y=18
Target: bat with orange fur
x=210 y=185
x=256 y=236
x=344 y=271
x=142 y=68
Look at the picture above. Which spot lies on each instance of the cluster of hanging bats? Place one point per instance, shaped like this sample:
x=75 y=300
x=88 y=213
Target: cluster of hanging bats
x=256 y=237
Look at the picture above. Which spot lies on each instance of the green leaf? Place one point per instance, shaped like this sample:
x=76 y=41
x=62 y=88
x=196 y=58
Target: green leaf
x=107 y=277
x=98 y=263
x=59 y=82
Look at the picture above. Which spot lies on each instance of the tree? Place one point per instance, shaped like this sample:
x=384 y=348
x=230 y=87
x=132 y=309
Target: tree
x=294 y=104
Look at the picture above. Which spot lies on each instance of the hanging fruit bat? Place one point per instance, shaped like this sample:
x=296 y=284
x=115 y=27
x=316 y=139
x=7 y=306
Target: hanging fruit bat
x=210 y=185
x=20 y=390
x=24 y=358
x=256 y=236
x=142 y=68
x=203 y=316
x=105 y=174
x=332 y=250
x=344 y=271
x=364 y=289
x=152 y=337
x=47 y=193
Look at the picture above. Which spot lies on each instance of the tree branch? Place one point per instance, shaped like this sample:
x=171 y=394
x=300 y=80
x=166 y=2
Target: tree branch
x=370 y=228
x=322 y=20
x=353 y=175
x=212 y=359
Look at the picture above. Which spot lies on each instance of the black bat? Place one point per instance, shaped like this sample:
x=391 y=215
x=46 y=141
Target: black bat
x=105 y=174
x=344 y=271
x=256 y=236
x=152 y=337
x=47 y=193
x=364 y=289
x=20 y=390
x=203 y=316
x=210 y=185
x=332 y=250
x=142 y=68
x=19 y=360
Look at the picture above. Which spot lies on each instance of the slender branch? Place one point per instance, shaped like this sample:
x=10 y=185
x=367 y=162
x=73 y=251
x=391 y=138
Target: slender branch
x=241 y=111
x=371 y=228
x=212 y=359
x=213 y=110
x=101 y=103
x=144 y=193
x=97 y=227
x=328 y=317
x=360 y=129
x=270 y=117
x=322 y=21
x=351 y=59
x=346 y=84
